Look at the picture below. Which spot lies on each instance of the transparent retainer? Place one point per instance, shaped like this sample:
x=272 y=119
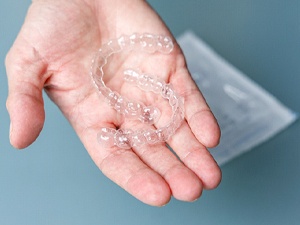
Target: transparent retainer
x=127 y=138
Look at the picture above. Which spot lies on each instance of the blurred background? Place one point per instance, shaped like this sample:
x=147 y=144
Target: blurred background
x=54 y=181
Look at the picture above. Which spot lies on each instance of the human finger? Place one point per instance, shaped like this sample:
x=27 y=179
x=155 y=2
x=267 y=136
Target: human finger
x=197 y=113
x=127 y=170
x=195 y=156
x=184 y=183
x=26 y=77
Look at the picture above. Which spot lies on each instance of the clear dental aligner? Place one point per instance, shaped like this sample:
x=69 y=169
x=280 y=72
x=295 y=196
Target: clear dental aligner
x=127 y=138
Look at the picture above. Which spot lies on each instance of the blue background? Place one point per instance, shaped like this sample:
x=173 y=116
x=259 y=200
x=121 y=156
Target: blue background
x=54 y=181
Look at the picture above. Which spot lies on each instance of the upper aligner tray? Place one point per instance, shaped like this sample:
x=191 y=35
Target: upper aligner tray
x=127 y=138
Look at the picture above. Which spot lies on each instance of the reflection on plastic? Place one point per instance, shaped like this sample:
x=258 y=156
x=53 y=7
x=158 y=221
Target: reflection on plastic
x=246 y=113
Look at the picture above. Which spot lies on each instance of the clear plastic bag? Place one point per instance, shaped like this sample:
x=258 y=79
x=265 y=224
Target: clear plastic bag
x=246 y=113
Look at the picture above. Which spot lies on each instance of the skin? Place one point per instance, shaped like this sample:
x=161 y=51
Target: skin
x=54 y=50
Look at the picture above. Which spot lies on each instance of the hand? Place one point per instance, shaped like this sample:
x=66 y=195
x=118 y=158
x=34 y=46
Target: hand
x=54 y=50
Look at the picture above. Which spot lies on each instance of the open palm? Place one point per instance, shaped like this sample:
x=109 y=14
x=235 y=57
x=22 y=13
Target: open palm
x=54 y=51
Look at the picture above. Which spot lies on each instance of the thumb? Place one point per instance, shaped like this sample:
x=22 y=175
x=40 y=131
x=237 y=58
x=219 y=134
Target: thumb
x=25 y=104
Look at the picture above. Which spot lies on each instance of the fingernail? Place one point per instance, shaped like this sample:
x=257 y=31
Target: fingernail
x=10 y=130
x=195 y=200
